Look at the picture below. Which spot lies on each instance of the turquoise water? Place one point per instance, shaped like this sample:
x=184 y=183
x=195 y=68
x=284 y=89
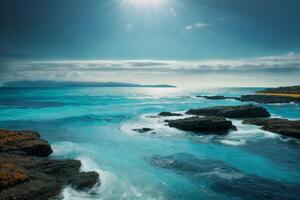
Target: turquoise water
x=95 y=126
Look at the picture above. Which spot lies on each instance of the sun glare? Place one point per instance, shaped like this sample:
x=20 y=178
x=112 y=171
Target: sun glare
x=145 y=3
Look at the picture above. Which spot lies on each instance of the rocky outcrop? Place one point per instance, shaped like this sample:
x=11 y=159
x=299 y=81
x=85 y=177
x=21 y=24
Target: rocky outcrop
x=281 y=126
x=26 y=172
x=260 y=98
x=143 y=130
x=283 y=90
x=244 y=111
x=217 y=125
x=169 y=114
x=216 y=97
x=23 y=142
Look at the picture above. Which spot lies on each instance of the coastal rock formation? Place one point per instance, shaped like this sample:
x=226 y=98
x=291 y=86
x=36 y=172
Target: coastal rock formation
x=244 y=111
x=260 y=98
x=275 y=95
x=281 y=126
x=283 y=90
x=218 y=125
x=26 y=173
x=169 y=114
x=23 y=142
x=216 y=97
x=143 y=130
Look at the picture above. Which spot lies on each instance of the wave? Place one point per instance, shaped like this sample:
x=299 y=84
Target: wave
x=158 y=125
x=111 y=187
x=154 y=122
x=244 y=133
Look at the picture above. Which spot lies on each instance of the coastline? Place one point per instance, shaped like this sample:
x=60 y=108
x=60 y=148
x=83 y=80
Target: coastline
x=296 y=96
x=26 y=171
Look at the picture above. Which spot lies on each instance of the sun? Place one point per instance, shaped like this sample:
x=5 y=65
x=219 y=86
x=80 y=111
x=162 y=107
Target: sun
x=145 y=3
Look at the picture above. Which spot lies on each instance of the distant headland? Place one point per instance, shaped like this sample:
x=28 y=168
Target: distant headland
x=50 y=83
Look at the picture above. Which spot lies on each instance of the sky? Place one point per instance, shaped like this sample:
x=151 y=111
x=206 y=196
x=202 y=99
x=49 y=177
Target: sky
x=182 y=42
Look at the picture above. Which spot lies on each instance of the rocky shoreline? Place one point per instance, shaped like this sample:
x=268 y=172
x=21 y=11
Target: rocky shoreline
x=245 y=111
x=217 y=125
x=267 y=96
x=280 y=126
x=27 y=173
x=214 y=120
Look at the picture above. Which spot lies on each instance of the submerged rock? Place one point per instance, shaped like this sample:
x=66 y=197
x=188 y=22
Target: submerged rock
x=169 y=114
x=218 y=125
x=143 y=130
x=216 y=97
x=225 y=179
x=244 y=111
x=26 y=173
x=281 y=126
x=260 y=98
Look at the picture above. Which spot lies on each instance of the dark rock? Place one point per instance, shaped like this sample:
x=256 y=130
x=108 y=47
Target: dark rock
x=244 y=111
x=260 y=98
x=142 y=130
x=169 y=114
x=283 y=90
x=27 y=174
x=43 y=188
x=216 y=125
x=85 y=180
x=23 y=142
x=10 y=175
x=281 y=126
x=216 y=97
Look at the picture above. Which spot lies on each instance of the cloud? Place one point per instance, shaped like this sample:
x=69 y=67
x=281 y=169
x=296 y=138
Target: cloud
x=288 y=64
x=173 y=12
x=198 y=25
x=189 y=27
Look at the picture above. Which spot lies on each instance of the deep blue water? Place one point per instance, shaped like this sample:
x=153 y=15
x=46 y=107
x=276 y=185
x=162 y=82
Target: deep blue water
x=95 y=126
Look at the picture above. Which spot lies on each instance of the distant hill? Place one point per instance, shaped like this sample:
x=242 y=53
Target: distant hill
x=283 y=90
x=49 y=83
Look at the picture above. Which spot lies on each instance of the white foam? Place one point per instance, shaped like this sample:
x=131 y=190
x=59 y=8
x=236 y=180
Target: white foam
x=244 y=133
x=234 y=142
x=154 y=122
x=111 y=187
x=63 y=148
x=224 y=175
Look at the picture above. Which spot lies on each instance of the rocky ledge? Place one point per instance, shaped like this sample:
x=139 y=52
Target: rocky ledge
x=283 y=90
x=281 y=126
x=244 y=111
x=217 y=125
x=26 y=172
x=169 y=114
x=216 y=97
x=260 y=98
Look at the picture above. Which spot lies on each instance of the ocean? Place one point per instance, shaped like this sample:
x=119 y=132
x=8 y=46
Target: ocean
x=95 y=126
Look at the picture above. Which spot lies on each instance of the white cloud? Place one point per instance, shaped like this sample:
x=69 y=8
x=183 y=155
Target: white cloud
x=128 y=70
x=189 y=27
x=198 y=25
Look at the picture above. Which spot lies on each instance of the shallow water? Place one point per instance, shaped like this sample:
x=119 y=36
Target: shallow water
x=95 y=126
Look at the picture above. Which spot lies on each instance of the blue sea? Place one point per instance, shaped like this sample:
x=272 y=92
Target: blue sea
x=94 y=125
